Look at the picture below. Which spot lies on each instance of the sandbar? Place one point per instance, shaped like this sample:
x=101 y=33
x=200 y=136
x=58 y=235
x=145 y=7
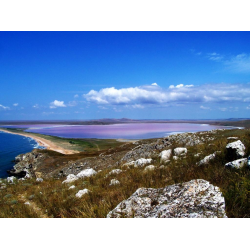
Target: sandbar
x=44 y=143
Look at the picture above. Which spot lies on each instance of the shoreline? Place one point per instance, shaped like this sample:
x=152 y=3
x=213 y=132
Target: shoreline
x=44 y=143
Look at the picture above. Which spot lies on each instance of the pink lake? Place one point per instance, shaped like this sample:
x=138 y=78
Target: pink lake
x=117 y=131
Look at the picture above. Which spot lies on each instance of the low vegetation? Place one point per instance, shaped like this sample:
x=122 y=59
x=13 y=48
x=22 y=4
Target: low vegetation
x=51 y=198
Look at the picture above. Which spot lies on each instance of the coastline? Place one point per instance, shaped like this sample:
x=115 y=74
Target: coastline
x=44 y=143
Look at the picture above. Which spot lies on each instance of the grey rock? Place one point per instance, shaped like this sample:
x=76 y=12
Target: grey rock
x=165 y=155
x=237 y=163
x=235 y=150
x=180 y=151
x=207 y=159
x=114 y=182
x=193 y=199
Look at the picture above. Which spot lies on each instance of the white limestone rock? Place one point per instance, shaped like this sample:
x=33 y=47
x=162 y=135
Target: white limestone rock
x=11 y=179
x=72 y=187
x=237 y=163
x=114 y=171
x=165 y=155
x=175 y=158
x=70 y=178
x=86 y=173
x=232 y=138
x=138 y=163
x=82 y=192
x=235 y=149
x=180 y=151
x=114 y=182
x=39 y=179
x=207 y=159
x=142 y=162
x=193 y=199
x=149 y=168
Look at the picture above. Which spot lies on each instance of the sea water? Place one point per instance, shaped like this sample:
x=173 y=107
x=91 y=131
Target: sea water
x=10 y=146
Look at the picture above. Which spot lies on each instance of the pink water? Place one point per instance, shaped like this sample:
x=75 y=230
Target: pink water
x=117 y=131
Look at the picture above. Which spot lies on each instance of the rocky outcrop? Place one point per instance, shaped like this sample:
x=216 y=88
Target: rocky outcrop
x=27 y=164
x=193 y=199
x=235 y=150
x=237 y=163
x=146 y=150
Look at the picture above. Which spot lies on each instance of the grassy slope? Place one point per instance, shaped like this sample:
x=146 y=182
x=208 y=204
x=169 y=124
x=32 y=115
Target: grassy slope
x=55 y=200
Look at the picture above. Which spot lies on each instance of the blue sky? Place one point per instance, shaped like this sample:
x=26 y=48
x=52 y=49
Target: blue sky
x=138 y=75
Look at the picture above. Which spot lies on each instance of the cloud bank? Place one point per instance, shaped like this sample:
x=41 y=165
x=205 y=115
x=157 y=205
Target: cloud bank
x=179 y=94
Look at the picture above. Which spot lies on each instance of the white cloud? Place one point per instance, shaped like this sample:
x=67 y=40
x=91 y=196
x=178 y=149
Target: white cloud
x=180 y=86
x=202 y=107
x=4 y=107
x=35 y=106
x=214 y=56
x=154 y=84
x=15 y=104
x=76 y=96
x=223 y=109
x=72 y=103
x=239 y=63
x=207 y=93
x=137 y=106
x=57 y=104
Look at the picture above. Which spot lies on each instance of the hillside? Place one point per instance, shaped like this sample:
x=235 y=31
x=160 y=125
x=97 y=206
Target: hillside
x=92 y=184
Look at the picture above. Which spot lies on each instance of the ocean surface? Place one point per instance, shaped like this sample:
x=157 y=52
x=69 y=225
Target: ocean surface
x=13 y=145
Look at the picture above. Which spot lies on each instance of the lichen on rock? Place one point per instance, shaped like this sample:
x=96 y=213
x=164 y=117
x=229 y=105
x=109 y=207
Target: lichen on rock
x=193 y=199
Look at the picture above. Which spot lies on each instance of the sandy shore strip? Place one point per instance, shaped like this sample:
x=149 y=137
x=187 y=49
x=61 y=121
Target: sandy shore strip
x=44 y=143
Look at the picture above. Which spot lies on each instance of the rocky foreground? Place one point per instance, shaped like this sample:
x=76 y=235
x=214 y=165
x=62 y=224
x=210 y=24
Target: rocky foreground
x=167 y=160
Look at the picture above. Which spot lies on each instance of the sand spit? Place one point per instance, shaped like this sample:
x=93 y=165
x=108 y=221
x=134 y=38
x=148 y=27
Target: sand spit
x=44 y=143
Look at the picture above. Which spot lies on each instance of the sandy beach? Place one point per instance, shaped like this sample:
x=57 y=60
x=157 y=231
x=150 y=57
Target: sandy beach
x=45 y=143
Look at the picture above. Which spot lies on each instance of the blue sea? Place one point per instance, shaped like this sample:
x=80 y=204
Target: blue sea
x=10 y=146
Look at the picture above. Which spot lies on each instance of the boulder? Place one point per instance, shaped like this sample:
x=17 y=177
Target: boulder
x=82 y=192
x=138 y=163
x=86 y=173
x=207 y=159
x=72 y=187
x=235 y=150
x=165 y=155
x=114 y=182
x=70 y=178
x=180 y=151
x=237 y=163
x=142 y=162
x=193 y=199
x=232 y=138
x=114 y=171
x=11 y=179
x=39 y=179
x=149 y=168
